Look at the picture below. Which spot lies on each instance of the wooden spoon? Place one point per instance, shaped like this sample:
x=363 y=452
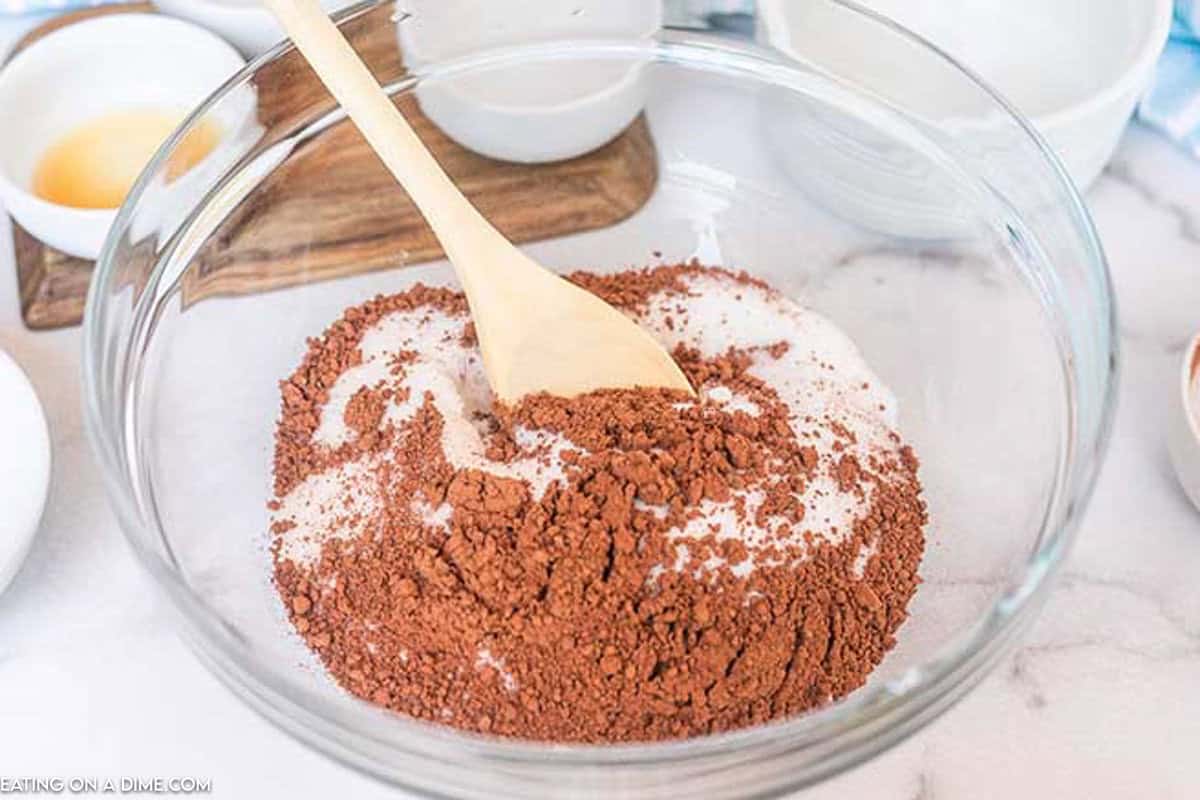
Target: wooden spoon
x=537 y=331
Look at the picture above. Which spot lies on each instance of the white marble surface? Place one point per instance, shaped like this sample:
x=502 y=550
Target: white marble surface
x=1101 y=700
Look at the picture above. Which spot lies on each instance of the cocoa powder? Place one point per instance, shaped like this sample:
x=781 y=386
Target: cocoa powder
x=581 y=615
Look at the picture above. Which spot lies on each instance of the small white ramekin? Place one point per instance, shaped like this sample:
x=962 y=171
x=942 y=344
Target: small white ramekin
x=87 y=70
x=1183 y=434
x=535 y=112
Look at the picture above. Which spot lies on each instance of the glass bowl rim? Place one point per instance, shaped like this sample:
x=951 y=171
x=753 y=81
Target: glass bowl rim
x=880 y=716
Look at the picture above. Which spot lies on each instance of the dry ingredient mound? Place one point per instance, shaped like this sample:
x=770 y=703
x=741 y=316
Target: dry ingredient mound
x=621 y=566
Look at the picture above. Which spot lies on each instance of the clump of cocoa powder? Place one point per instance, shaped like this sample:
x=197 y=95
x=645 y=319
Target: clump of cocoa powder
x=581 y=614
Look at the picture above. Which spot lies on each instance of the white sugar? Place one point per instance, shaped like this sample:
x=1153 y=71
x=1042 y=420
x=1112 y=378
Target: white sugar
x=340 y=503
x=485 y=660
x=731 y=401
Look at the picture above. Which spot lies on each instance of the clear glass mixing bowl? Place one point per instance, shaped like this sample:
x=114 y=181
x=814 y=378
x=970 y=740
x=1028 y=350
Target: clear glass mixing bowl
x=946 y=240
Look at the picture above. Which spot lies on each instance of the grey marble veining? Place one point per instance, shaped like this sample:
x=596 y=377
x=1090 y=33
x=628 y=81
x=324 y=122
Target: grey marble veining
x=1187 y=220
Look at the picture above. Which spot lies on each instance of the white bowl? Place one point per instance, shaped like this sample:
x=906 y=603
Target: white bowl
x=1183 y=434
x=530 y=113
x=249 y=26
x=1075 y=68
x=24 y=466
x=88 y=70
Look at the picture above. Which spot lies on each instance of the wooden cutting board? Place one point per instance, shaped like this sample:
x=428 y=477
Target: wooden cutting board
x=333 y=210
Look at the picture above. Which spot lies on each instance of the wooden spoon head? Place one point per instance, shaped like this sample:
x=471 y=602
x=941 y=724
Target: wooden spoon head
x=565 y=341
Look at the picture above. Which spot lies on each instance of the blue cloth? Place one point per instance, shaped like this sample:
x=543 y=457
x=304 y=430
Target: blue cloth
x=1172 y=103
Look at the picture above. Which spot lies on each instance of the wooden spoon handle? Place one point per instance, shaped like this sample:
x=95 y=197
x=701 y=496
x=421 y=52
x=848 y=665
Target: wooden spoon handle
x=537 y=331
x=463 y=232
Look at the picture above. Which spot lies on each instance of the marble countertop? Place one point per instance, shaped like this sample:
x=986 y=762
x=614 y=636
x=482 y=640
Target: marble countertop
x=1100 y=700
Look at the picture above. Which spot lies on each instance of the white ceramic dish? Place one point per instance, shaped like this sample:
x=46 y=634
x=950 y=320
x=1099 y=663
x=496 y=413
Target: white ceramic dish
x=1183 y=435
x=244 y=23
x=24 y=466
x=528 y=114
x=1075 y=68
x=84 y=71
